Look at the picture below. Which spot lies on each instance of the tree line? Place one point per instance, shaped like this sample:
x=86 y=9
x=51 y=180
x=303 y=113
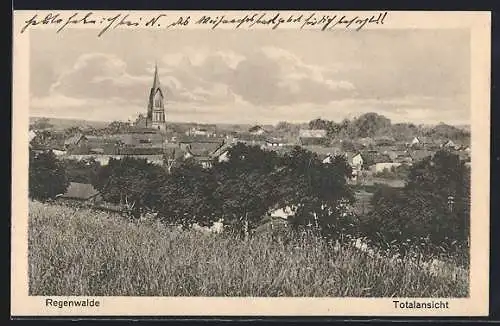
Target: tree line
x=432 y=212
x=375 y=125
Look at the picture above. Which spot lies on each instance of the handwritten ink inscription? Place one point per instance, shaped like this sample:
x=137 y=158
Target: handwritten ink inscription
x=273 y=21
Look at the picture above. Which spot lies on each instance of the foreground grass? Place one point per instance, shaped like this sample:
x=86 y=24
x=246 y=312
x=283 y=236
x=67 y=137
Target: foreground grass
x=92 y=253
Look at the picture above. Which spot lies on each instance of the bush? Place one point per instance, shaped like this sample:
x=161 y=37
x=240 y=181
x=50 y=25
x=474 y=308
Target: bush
x=47 y=176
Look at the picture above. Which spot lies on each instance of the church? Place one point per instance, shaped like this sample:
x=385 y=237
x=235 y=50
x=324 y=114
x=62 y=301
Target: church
x=155 y=118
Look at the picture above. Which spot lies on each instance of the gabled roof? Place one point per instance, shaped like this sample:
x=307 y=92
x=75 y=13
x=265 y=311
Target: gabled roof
x=221 y=149
x=203 y=149
x=74 y=140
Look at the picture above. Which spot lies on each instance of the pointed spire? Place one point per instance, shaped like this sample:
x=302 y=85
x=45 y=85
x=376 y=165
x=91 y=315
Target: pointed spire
x=156 y=80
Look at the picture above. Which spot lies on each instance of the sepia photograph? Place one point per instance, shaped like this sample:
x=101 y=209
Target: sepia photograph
x=326 y=162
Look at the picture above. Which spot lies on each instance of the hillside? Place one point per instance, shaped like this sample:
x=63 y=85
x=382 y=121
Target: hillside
x=148 y=259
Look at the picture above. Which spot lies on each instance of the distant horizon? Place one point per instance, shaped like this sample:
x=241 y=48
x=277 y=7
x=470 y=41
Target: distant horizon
x=236 y=123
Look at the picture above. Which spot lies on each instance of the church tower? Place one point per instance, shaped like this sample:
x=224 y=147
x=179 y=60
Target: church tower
x=156 y=109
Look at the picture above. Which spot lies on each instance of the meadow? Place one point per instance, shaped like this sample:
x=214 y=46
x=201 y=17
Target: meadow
x=85 y=252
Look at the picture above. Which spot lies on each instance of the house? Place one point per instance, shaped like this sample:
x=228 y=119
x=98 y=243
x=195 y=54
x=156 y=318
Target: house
x=415 y=141
x=77 y=144
x=328 y=159
x=357 y=161
x=202 y=151
x=257 y=130
x=451 y=145
x=82 y=192
x=222 y=153
x=313 y=137
x=422 y=141
x=75 y=140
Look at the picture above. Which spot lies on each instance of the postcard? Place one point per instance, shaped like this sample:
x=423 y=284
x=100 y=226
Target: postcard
x=250 y=163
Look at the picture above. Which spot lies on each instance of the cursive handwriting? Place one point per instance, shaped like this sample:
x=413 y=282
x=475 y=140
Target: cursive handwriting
x=104 y=23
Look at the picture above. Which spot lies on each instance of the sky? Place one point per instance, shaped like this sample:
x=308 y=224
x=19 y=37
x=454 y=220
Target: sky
x=253 y=76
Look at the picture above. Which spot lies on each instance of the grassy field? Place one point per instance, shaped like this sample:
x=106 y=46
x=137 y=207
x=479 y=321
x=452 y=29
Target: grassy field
x=93 y=253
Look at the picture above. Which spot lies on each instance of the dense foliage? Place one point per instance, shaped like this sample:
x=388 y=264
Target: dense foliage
x=375 y=125
x=82 y=171
x=128 y=181
x=432 y=212
x=47 y=176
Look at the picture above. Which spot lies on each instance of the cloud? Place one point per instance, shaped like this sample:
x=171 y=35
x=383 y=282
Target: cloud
x=267 y=76
x=267 y=83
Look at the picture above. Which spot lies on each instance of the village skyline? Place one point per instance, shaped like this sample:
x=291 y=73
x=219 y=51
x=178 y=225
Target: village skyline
x=69 y=122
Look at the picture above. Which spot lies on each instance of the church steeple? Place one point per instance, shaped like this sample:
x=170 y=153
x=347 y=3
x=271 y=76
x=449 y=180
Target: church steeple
x=156 y=111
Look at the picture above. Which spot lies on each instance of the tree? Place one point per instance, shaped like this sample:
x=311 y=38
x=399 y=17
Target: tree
x=129 y=181
x=246 y=185
x=447 y=178
x=318 y=191
x=47 y=176
x=118 y=127
x=186 y=195
x=319 y=124
x=370 y=124
x=404 y=131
